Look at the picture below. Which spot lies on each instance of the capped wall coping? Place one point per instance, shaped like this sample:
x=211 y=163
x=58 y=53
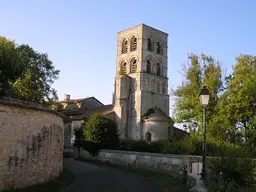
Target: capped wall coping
x=151 y=154
x=29 y=105
x=162 y=154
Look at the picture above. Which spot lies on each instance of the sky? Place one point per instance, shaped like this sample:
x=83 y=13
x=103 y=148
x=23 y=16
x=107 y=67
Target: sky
x=80 y=36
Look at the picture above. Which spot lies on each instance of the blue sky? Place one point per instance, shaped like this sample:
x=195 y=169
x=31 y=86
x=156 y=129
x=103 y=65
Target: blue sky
x=80 y=36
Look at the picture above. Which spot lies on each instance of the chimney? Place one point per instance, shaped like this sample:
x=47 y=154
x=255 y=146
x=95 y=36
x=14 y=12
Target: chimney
x=66 y=97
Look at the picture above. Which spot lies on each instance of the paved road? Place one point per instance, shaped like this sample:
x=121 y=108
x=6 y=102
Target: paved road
x=93 y=178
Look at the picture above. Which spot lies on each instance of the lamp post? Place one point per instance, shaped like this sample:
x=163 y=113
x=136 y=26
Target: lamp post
x=204 y=100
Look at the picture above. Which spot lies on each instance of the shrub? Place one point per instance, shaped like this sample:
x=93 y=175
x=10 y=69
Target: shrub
x=79 y=139
x=92 y=147
x=134 y=145
x=102 y=131
x=189 y=145
x=139 y=146
x=161 y=146
x=184 y=147
x=230 y=173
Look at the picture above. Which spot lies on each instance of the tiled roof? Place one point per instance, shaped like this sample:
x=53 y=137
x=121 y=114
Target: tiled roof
x=78 y=100
x=102 y=110
x=158 y=115
x=81 y=113
x=74 y=112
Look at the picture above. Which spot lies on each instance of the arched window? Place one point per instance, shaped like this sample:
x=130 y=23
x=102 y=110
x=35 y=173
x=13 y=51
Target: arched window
x=158 y=69
x=148 y=137
x=150 y=44
x=163 y=88
x=124 y=46
x=134 y=44
x=123 y=68
x=148 y=66
x=158 y=47
x=134 y=66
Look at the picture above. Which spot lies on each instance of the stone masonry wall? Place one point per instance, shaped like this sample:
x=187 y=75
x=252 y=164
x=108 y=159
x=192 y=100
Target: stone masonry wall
x=31 y=144
x=171 y=164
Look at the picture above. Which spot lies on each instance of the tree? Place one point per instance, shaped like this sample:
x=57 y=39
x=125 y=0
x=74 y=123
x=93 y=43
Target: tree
x=200 y=70
x=101 y=130
x=239 y=101
x=79 y=139
x=10 y=66
x=35 y=82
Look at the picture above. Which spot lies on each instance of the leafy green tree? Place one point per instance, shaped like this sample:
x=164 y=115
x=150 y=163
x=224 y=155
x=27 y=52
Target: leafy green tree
x=25 y=73
x=35 y=82
x=232 y=110
x=79 y=139
x=238 y=103
x=101 y=130
x=10 y=66
x=200 y=70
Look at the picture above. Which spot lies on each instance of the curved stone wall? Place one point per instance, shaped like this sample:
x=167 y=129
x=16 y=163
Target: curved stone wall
x=31 y=143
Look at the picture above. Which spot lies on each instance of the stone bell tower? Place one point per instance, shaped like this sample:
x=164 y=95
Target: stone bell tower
x=141 y=80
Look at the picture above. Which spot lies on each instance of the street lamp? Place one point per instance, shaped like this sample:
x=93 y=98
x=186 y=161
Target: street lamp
x=204 y=100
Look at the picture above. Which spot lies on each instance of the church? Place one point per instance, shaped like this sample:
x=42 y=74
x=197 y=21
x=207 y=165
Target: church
x=140 y=103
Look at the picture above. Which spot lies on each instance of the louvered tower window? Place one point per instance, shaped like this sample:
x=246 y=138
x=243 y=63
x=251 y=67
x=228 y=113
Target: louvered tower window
x=148 y=66
x=158 y=48
x=134 y=44
x=134 y=66
x=124 y=46
x=149 y=44
x=124 y=68
x=158 y=69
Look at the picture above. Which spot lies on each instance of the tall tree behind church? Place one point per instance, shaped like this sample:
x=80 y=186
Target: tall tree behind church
x=238 y=103
x=198 y=71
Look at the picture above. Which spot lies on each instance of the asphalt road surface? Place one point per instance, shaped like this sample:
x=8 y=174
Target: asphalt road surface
x=93 y=178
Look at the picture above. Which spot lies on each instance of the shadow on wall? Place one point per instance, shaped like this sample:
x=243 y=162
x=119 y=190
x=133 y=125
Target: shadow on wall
x=31 y=142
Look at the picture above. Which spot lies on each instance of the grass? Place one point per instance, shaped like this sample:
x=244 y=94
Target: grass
x=170 y=183
x=65 y=178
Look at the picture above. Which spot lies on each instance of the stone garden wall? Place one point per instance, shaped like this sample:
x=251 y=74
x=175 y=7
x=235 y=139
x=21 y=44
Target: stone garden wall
x=171 y=164
x=31 y=143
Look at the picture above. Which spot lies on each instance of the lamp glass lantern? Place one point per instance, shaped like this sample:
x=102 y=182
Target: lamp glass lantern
x=204 y=96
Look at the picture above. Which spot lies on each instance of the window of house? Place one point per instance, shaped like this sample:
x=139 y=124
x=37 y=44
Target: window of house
x=149 y=44
x=124 y=46
x=148 y=137
x=134 y=66
x=158 y=47
x=134 y=44
x=158 y=69
x=148 y=66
